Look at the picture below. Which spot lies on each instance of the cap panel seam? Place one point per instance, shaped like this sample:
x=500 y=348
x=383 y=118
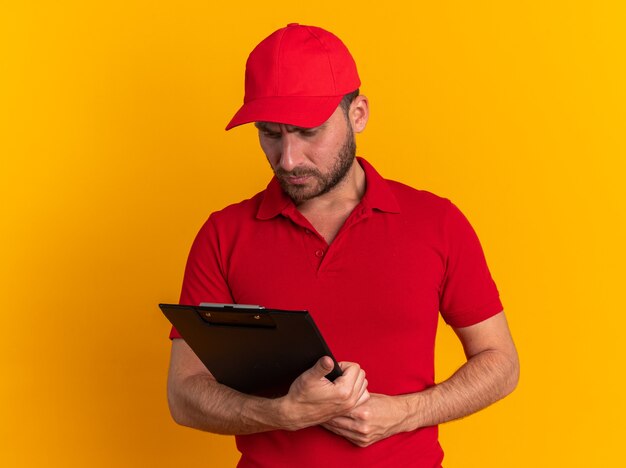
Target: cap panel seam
x=278 y=54
x=330 y=64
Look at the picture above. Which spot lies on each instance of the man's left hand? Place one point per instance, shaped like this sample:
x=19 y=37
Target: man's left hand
x=378 y=418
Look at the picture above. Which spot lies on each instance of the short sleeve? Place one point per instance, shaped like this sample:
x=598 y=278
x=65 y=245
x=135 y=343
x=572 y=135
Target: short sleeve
x=468 y=293
x=204 y=279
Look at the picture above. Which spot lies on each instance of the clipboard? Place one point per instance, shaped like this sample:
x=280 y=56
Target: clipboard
x=249 y=348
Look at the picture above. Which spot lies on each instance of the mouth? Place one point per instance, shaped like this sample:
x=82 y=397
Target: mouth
x=297 y=180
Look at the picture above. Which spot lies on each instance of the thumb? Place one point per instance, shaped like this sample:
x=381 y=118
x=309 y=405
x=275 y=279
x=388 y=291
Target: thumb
x=322 y=367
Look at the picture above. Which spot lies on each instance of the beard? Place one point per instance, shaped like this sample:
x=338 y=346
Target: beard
x=323 y=183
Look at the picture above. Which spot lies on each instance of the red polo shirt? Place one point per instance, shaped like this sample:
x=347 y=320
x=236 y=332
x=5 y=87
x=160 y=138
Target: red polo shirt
x=402 y=256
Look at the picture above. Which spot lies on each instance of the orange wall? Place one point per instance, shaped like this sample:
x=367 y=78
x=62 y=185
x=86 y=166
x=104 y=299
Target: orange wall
x=112 y=154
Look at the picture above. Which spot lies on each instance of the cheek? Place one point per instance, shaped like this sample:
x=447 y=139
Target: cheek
x=271 y=152
x=327 y=150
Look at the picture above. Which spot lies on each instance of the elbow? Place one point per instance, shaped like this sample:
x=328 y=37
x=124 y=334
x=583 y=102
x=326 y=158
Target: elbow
x=178 y=417
x=177 y=409
x=513 y=374
x=175 y=412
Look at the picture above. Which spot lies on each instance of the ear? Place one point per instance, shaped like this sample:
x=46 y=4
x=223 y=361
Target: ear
x=359 y=113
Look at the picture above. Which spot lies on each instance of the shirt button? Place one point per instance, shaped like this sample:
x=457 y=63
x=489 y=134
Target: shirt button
x=319 y=253
x=306 y=231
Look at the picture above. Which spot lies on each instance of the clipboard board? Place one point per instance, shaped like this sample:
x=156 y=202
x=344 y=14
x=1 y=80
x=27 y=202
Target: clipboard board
x=249 y=348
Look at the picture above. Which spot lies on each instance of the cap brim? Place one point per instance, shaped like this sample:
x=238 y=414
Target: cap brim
x=301 y=111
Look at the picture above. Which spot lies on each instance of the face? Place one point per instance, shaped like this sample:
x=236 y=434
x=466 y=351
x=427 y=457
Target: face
x=309 y=162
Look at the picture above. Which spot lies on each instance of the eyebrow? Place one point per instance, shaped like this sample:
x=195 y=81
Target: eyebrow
x=263 y=126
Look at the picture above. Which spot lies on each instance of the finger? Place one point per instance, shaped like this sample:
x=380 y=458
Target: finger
x=361 y=383
x=339 y=429
x=341 y=422
x=351 y=373
x=321 y=368
x=352 y=380
x=350 y=436
x=333 y=429
x=359 y=386
x=345 y=365
x=364 y=397
x=360 y=379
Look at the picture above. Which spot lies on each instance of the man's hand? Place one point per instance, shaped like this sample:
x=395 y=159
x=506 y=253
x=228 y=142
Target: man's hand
x=197 y=400
x=313 y=399
x=490 y=373
x=378 y=418
x=344 y=406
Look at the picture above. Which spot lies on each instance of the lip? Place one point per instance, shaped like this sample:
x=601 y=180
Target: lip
x=298 y=180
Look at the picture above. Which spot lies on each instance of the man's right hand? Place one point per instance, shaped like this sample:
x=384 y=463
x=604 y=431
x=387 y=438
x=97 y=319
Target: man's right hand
x=313 y=399
x=197 y=400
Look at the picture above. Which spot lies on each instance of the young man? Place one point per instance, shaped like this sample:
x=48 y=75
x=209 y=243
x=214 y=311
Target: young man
x=373 y=260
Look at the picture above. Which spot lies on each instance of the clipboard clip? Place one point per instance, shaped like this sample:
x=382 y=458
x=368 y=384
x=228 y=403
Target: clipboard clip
x=235 y=315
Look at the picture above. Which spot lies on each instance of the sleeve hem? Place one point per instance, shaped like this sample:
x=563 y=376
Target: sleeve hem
x=174 y=334
x=477 y=315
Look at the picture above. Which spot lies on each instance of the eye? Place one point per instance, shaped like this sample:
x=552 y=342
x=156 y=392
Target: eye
x=308 y=132
x=271 y=135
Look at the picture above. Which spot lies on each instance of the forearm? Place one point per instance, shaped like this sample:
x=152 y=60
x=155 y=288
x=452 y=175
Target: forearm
x=197 y=400
x=200 y=402
x=484 y=379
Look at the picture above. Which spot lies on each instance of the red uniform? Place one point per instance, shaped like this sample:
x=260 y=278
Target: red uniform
x=402 y=256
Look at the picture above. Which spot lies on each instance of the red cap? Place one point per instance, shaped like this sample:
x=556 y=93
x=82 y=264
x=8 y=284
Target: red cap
x=296 y=76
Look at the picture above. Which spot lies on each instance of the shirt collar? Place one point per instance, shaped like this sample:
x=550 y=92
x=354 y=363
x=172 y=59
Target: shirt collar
x=378 y=195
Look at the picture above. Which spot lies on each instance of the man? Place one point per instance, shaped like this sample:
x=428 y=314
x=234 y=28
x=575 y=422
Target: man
x=374 y=261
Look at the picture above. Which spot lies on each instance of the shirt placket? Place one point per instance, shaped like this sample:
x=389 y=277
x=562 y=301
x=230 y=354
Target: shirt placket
x=316 y=249
x=314 y=244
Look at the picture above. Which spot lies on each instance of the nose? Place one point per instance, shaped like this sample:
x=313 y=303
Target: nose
x=291 y=155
